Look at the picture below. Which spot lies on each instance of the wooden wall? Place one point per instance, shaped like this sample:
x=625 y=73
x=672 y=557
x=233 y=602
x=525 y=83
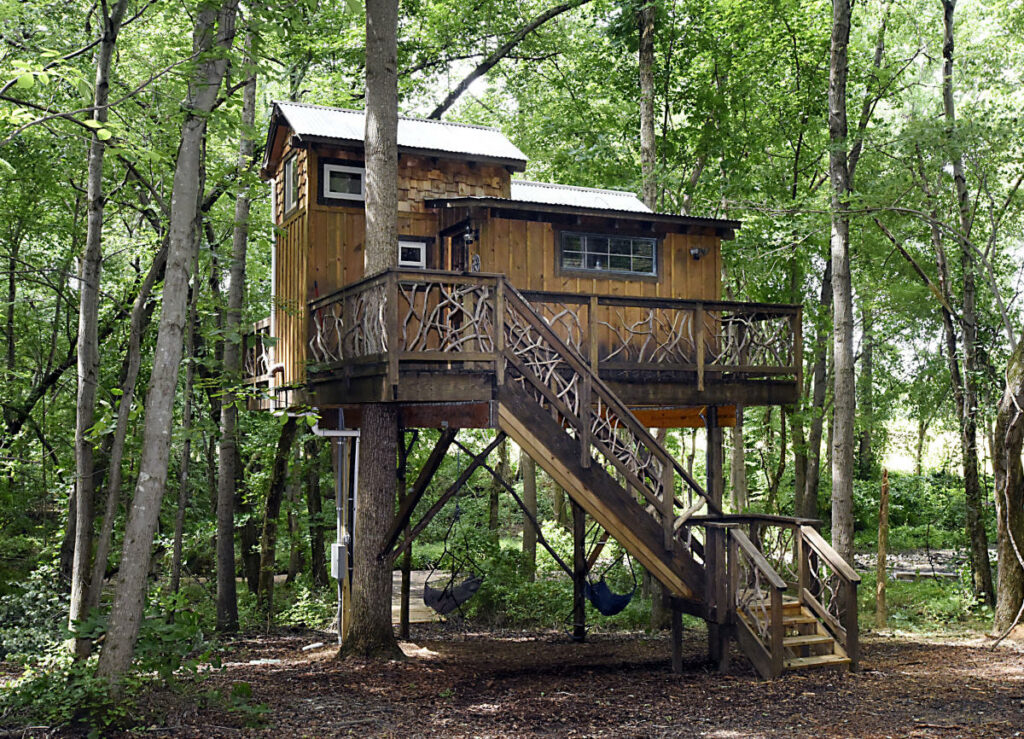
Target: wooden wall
x=290 y=273
x=527 y=252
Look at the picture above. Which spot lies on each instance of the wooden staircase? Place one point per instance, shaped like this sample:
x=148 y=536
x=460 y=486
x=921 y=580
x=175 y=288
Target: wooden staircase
x=552 y=403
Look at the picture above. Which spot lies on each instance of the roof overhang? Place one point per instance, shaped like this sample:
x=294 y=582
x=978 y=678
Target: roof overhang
x=502 y=207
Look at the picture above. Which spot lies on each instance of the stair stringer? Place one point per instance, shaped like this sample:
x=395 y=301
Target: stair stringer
x=598 y=493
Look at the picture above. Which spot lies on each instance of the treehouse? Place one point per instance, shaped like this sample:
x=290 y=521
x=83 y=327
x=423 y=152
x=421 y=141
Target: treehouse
x=572 y=320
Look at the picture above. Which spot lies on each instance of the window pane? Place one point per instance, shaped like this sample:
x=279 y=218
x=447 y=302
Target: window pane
x=410 y=254
x=347 y=183
x=597 y=261
x=572 y=259
x=621 y=263
x=573 y=242
x=621 y=246
x=597 y=245
x=643 y=248
x=643 y=265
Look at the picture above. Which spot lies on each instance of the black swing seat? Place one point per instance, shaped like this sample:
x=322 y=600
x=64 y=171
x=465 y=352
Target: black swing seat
x=604 y=600
x=451 y=596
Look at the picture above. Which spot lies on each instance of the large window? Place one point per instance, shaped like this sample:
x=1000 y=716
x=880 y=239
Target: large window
x=629 y=255
x=291 y=184
x=343 y=182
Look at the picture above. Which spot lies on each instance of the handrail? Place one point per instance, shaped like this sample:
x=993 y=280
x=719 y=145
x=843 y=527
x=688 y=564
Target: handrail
x=774 y=579
x=782 y=309
x=601 y=389
x=830 y=555
x=736 y=519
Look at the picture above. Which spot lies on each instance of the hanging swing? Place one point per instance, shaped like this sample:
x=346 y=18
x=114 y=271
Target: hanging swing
x=606 y=601
x=450 y=598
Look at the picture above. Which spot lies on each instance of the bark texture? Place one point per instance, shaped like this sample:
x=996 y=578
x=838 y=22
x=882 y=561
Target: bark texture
x=842 y=304
x=227 y=474
x=648 y=153
x=214 y=26
x=1009 y=494
x=272 y=511
x=88 y=331
x=529 y=470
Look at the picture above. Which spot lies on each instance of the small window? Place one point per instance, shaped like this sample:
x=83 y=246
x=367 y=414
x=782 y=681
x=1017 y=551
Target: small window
x=341 y=182
x=291 y=184
x=634 y=255
x=412 y=254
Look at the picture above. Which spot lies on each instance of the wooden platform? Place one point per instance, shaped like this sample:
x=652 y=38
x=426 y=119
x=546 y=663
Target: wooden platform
x=419 y=613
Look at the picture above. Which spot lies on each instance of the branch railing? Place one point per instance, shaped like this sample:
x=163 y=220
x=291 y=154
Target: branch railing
x=258 y=353
x=774 y=556
x=424 y=314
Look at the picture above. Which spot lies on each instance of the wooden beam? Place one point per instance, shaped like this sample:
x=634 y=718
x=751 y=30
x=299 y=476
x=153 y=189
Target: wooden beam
x=427 y=473
x=472 y=467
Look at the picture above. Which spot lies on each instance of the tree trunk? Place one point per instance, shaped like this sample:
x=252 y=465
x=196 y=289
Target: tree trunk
x=922 y=432
x=865 y=442
x=529 y=470
x=842 y=315
x=88 y=333
x=314 y=507
x=186 y=446
x=213 y=26
x=648 y=153
x=738 y=467
x=1009 y=495
x=227 y=596
x=980 y=567
x=272 y=511
x=881 y=573
x=809 y=507
x=370 y=633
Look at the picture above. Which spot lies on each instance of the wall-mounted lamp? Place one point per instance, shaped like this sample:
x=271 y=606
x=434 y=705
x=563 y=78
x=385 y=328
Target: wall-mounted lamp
x=470 y=235
x=697 y=252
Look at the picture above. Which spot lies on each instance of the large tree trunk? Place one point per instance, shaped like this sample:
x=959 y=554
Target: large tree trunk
x=370 y=633
x=648 y=153
x=186 y=445
x=272 y=511
x=213 y=26
x=980 y=567
x=88 y=332
x=1009 y=495
x=529 y=470
x=227 y=474
x=842 y=289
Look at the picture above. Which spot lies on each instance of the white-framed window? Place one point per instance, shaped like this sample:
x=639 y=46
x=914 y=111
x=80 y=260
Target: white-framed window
x=625 y=255
x=343 y=182
x=291 y=183
x=412 y=254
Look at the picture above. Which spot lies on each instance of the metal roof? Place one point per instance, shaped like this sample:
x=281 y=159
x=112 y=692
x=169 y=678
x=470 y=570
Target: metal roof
x=415 y=135
x=582 y=197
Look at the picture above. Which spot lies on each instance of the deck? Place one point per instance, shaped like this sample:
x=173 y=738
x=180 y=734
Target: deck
x=437 y=338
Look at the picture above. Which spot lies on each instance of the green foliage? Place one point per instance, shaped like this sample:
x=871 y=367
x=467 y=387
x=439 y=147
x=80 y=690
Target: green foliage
x=924 y=604
x=238 y=701
x=33 y=618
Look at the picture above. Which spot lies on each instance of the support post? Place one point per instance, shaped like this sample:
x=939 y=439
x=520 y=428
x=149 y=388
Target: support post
x=346 y=475
x=579 y=572
x=403 y=493
x=719 y=604
x=677 y=638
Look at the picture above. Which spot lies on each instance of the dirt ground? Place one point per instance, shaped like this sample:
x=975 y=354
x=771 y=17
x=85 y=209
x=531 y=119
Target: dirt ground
x=539 y=684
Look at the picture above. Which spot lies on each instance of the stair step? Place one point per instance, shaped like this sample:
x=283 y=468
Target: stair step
x=822 y=660
x=807 y=640
x=798 y=618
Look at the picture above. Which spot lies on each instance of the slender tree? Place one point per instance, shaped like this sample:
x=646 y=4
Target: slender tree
x=213 y=35
x=842 y=288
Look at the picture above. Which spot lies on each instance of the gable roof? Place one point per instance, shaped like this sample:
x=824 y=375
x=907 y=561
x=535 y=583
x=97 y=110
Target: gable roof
x=322 y=124
x=582 y=197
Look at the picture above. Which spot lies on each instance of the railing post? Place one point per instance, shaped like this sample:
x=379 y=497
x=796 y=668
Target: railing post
x=850 y=623
x=732 y=576
x=592 y=352
x=391 y=331
x=698 y=318
x=499 y=332
x=778 y=631
x=803 y=575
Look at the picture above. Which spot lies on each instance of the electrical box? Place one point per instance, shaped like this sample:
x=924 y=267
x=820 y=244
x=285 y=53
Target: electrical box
x=339 y=561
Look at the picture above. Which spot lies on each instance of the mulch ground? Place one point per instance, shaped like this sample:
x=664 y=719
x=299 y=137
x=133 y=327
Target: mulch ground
x=539 y=684
x=530 y=684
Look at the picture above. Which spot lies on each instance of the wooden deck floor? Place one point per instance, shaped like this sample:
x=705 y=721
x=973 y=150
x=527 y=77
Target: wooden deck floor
x=419 y=613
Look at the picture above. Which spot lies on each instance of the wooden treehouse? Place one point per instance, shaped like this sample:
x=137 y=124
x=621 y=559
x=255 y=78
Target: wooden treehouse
x=573 y=321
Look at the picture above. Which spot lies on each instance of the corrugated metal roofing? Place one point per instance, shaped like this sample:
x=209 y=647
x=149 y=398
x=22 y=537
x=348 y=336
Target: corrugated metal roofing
x=416 y=134
x=580 y=197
